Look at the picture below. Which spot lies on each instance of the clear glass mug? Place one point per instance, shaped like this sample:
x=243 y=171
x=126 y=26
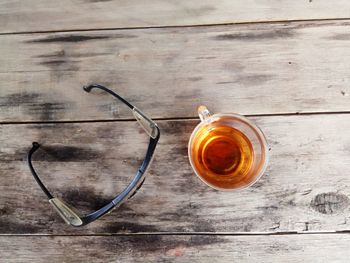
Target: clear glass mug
x=227 y=151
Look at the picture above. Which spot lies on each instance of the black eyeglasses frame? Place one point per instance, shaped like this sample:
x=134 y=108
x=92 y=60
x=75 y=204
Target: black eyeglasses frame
x=66 y=212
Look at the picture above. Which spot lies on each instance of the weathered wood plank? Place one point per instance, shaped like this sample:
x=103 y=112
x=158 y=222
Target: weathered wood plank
x=200 y=248
x=250 y=69
x=305 y=187
x=41 y=15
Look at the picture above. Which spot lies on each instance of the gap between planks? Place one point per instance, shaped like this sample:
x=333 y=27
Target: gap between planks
x=177 y=118
x=174 y=26
x=285 y=233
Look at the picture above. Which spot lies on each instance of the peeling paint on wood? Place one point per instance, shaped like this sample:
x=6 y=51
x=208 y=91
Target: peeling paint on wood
x=177 y=248
x=104 y=14
x=263 y=68
x=89 y=163
x=249 y=69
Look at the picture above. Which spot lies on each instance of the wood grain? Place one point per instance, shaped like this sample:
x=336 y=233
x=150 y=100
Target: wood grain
x=41 y=15
x=250 y=69
x=304 y=189
x=161 y=57
x=168 y=248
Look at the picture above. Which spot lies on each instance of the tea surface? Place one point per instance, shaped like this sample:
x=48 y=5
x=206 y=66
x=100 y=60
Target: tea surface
x=222 y=155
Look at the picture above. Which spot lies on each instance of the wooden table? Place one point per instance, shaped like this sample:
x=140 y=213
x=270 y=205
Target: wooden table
x=284 y=64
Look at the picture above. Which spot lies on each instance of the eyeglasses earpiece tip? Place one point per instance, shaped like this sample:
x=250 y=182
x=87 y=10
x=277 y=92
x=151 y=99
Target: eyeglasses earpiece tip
x=36 y=144
x=87 y=88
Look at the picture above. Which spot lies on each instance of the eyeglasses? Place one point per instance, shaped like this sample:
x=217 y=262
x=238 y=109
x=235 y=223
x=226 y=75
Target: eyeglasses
x=65 y=211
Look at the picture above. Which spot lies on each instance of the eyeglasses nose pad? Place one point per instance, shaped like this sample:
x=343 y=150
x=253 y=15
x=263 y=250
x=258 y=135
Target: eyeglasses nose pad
x=147 y=124
x=68 y=215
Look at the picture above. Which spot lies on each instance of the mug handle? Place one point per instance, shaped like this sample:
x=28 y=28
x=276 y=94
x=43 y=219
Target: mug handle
x=203 y=113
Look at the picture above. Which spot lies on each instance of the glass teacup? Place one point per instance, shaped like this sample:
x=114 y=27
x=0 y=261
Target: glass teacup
x=227 y=151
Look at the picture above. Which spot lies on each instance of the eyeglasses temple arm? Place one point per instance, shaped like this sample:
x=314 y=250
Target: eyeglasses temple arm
x=88 y=88
x=130 y=190
x=68 y=215
x=147 y=123
x=35 y=147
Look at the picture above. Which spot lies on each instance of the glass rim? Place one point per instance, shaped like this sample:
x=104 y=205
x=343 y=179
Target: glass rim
x=262 y=139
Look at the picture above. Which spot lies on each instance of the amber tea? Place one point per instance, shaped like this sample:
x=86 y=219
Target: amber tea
x=224 y=153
